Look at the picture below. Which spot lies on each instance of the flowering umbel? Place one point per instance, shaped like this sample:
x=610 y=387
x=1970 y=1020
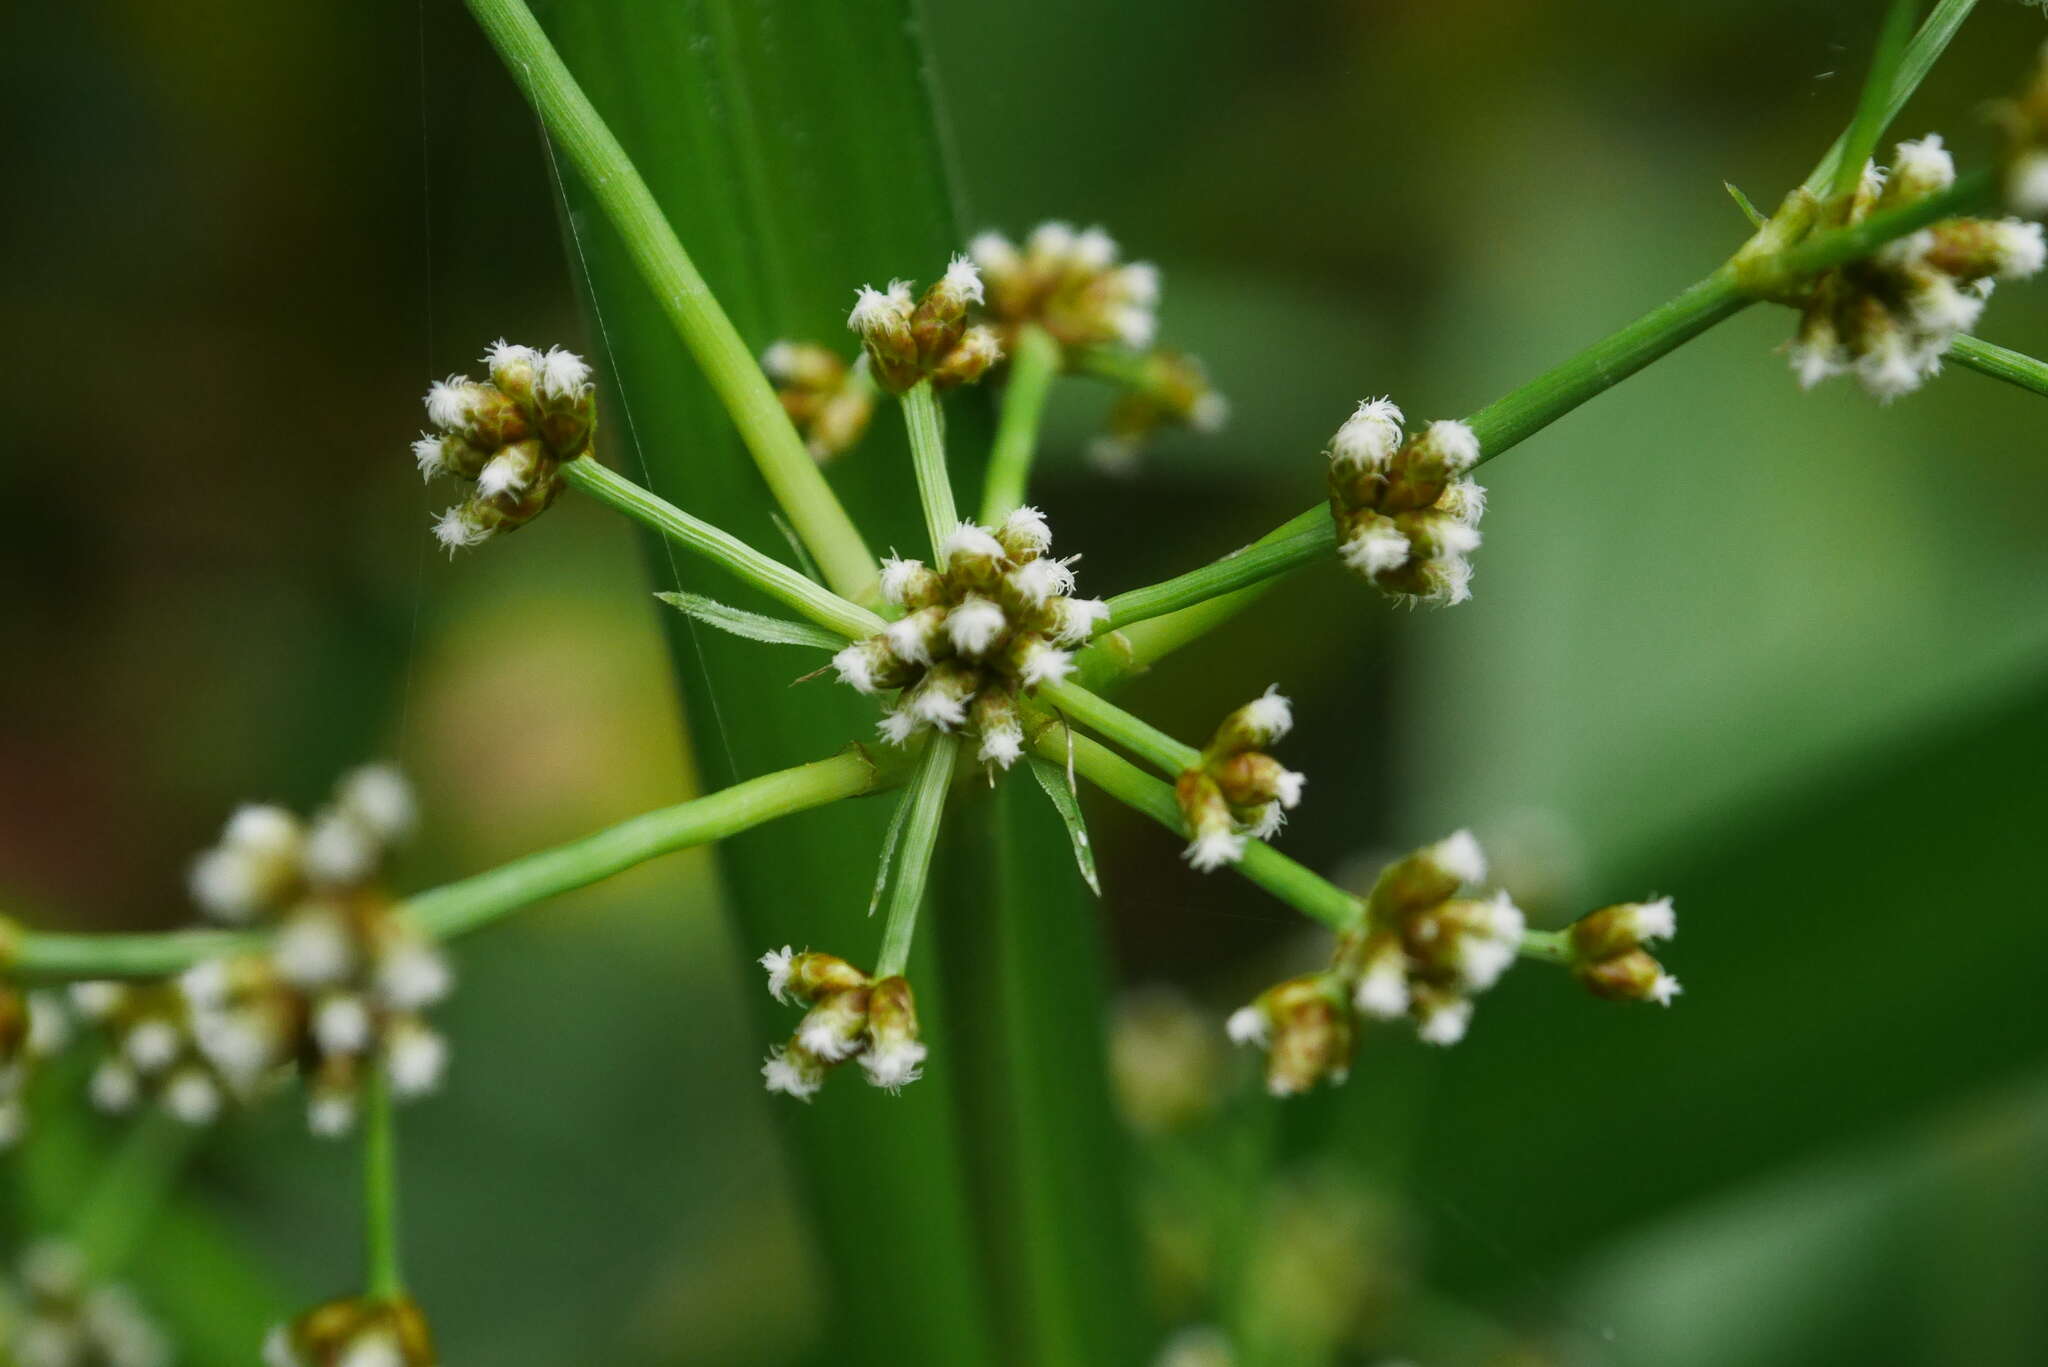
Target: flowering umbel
x=926 y=339
x=1889 y=317
x=976 y=634
x=1237 y=791
x=55 y=1316
x=345 y=979
x=359 y=1332
x=1407 y=511
x=829 y=401
x=851 y=1015
x=508 y=437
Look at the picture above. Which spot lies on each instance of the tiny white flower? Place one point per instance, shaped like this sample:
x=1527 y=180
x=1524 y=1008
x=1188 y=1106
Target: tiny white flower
x=1376 y=547
x=1051 y=239
x=416 y=1058
x=379 y=796
x=49 y=1027
x=1936 y=305
x=1454 y=584
x=430 y=456
x=1482 y=961
x=502 y=353
x=449 y=402
x=413 y=973
x=2020 y=249
x=341 y=1024
x=504 y=473
x=783 y=1075
x=1002 y=746
x=1455 y=442
x=97 y=999
x=856 y=667
x=897 y=577
x=1270 y=715
x=456 y=529
x=898 y=726
x=1925 y=164
x=1268 y=822
x=1656 y=920
x=115 y=1087
x=1664 y=989
x=910 y=639
x=1369 y=437
x=894 y=1065
x=971 y=541
x=2026 y=183
x=974 y=625
x=1137 y=283
x=994 y=253
x=826 y=1039
x=207 y=983
x=192 y=1097
x=1889 y=368
x=963 y=279
x=1287 y=786
x=1211 y=850
x=1114 y=456
x=1210 y=413
x=227 y=883
x=278 y=1350
x=1446 y=1024
x=779 y=360
x=151 y=1045
x=1817 y=359
x=1464 y=499
x=1028 y=528
x=777 y=962
x=240 y=1045
x=1383 y=987
x=938 y=708
x=378 y=1349
x=1134 y=326
x=873 y=310
x=1459 y=856
x=340 y=851
x=1454 y=537
x=1042 y=662
x=1093 y=249
x=331 y=1113
x=563 y=374
x=1247 y=1025
x=1075 y=619
x=313 y=947
x=1035 y=581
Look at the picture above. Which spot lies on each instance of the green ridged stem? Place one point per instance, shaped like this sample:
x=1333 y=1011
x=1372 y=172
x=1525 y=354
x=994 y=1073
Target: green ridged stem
x=383 y=1272
x=928 y=459
x=1034 y=360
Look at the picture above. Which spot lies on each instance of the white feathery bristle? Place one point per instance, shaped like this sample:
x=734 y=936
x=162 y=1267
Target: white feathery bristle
x=1052 y=238
x=899 y=296
x=909 y=639
x=227 y=883
x=341 y=1024
x=1925 y=163
x=278 y=1350
x=783 y=1076
x=1454 y=442
x=777 y=962
x=975 y=624
x=898 y=726
x=1211 y=850
x=1454 y=582
x=1270 y=714
x=563 y=374
x=1001 y=746
x=416 y=1059
x=1464 y=499
x=1137 y=283
x=2026 y=183
x=1505 y=921
x=963 y=279
x=1455 y=537
x=114 y=1087
x=1376 y=548
x=1369 y=437
x=1445 y=1024
x=1656 y=920
x=380 y=797
x=340 y=851
x=1938 y=306
x=1482 y=961
x=1037 y=580
x=1287 y=786
x=826 y=1039
x=1247 y=1025
x=1890 y=368
x=262 y=828
x=241 y=1045
x=993 y=252
x=1905 y=252
x=1077 y=619
x=504 y=473
x=456 y=530
x=331 y=1113
x=448 y=403
x=152 y=1045
x=856 y=667
x=413 y=973
x=971 y=541
x=97 y=999
x=1043 y=662
x=897 y=576
x=1135 y=326
x=2020 y=247
x=1459 y=856
x=779 y=360
x=313 y=948
x=207 y=983
x=431 y=457
x=872 y=309
x=504 y=353
x=895 y=1065
x=1872 y=180
x=938 y=708
x=1094 y=249
x=1267 y=821
x=1664 y=988
x=1028 y=527
x=1383 y=987
x=1210 y=413
x=192 y=1097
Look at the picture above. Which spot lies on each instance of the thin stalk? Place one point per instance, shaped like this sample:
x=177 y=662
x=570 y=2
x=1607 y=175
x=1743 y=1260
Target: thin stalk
x=1872 y=107
x=383 y=1276
x=1310 y=894
x=1921 y=54
x=1301 y=541
x=1134 y=733
x=2000 y=363
x=477 y=901
x=132 y=1185
x=728 y=363
x=914 y=866
x=1034 y=360
x=722 y=548
x=928 y=458
x=1547 y=946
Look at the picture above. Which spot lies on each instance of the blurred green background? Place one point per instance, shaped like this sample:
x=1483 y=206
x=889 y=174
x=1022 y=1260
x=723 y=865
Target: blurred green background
x=1779 y=655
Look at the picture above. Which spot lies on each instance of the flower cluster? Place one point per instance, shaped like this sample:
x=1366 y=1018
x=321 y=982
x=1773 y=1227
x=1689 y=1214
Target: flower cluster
x=1163 y=389
x=508 y=437
x=33 y=1027
x=151 y=1051
x=1890 y=317
x=1407 y=514
x=1071 y=284
x=829 y=401
x=990 y=623
x=851 y=1015
x=1608 y=954
x=2026 y=153
x=1238 y=791
x=353 y=1333
x=345 y=978
x=928 y=339
x=1422 y=952
x=57 y=1318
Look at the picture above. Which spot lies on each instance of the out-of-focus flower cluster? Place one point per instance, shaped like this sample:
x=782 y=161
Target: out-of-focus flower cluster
x=1609 y=954
x=353 y=1333
x=508 y=437
x=33 y=1026
x=908 y=340
x=1889 y=318
x=829 y=401
x=54 y=1316
x=2025 y=120
x=1072 y=284
x=1237 y=791
x=1407 y=513
x=992 y=622
x=1161 y=389
x=850 y=1015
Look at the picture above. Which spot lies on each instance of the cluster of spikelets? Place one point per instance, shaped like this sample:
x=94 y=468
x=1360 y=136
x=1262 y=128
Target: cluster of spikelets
x=830 y=401
x=1070 y=283
x=1608 y=951
x=54 y=1316
x=850 y=1015
x=33 y=1026
x=353 y=1333
x=2025 y=120
x=507 y=437
x=1162 y=388
x=1407 y=512
x=1890 y=317
x=992 y=622
x=339 y=988
x=908 y=340
x=1237 y=791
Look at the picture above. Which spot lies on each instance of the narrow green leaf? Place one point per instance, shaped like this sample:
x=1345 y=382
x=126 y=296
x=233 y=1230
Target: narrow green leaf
x=1873 y=106
x=889 y=839
x=775 y=631
x=797 y=548
x=1749 y=210
x=1053 y=779
x=922 y=812
x=1920 y=55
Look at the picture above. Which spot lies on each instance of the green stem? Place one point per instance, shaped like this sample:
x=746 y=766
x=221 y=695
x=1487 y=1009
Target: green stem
x=722 y=548
x=1294 y=884
x=914 y=866
x=728 y=364
x=928 y=459
x=1927 y=45
x=2000 y=363
x=1034 y=360
x=477 y=901
x=1135 y=734
x=1773 y=275
x=383 y=1279
x=1301 y=541
x=1547 y=946
x=132 y=1185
